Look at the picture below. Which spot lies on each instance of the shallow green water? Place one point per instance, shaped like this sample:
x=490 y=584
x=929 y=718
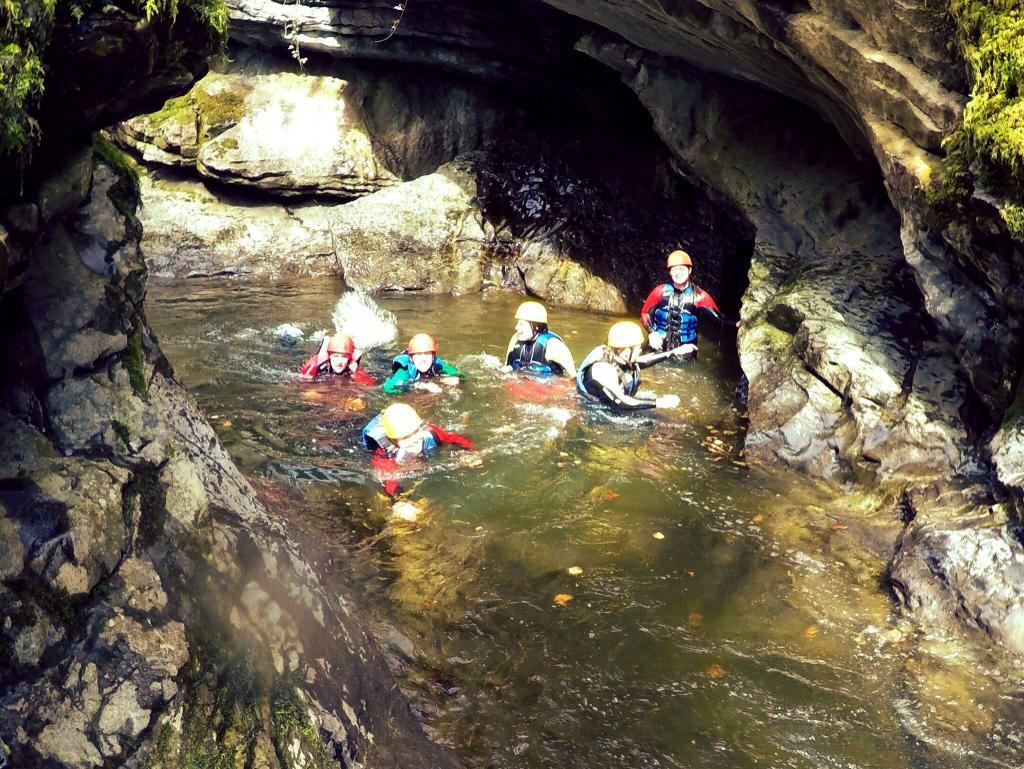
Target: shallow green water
x=723 y=616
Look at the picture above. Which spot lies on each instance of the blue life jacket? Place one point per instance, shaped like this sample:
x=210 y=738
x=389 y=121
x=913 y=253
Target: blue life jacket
x=532 y=356
x=629 y=379
x=404 y=362
x=375 y=438
x=678 y=325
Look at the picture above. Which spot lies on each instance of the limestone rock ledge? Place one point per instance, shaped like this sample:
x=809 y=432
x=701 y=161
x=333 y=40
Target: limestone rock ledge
x=154 y=612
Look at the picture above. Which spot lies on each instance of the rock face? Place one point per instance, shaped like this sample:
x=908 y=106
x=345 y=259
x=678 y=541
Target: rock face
x=969 y=572
x=153 y=607
x=259 y=123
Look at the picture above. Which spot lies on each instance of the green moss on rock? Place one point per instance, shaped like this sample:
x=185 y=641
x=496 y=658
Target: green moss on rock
x=992 y=40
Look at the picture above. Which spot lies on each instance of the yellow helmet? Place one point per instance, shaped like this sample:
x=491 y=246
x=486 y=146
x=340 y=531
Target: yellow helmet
x=400 y=421
x=625 y=333
x=679 y=258
x=533 y=312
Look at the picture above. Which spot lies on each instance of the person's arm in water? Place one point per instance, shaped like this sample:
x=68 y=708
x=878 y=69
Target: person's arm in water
x=447 y=369
x=606 y=377
x=398 y=382
x=654 y=358
x=558 y=352
x=443 y=436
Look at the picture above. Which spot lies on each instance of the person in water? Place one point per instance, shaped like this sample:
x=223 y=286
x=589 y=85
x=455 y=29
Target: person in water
x=536 y=350
x=610 y=373
x=420 y=362
x=337 y=357
x=398 y=435
x=671 y=310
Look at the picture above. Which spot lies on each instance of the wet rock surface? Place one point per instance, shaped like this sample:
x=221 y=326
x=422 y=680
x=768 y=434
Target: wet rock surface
x=153 y=608
x=969 y=572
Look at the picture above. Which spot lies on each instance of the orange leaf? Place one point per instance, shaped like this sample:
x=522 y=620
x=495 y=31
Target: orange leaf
x=562 y=599
x=837 y=527
x=611 y=495
x=695 y=618
x=811 y=631
x=715 y=671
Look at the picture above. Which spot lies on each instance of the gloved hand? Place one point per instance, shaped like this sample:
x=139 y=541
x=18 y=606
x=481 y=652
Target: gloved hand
x=655 y=339
x=667 y=401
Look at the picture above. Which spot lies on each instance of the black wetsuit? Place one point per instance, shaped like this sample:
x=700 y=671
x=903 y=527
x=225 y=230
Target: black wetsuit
x=629 y=381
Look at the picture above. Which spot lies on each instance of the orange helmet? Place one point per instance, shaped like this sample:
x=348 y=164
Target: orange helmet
x=679 y=258
x=422 y=343
x=341 y=344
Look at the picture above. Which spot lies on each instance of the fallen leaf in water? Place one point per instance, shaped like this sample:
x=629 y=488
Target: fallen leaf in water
x=689 y=573
x=226 y=423
x=611 y=496
x=658 y=535
x=715 y=671
x=837 y=527
x=312 y=395
x=355 y=404
x=694 y=618
x=811 y=631
x=575 y=571
x=562 y=599
x=757 y=518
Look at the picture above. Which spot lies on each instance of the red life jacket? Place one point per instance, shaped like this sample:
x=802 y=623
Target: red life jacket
x=319 y=364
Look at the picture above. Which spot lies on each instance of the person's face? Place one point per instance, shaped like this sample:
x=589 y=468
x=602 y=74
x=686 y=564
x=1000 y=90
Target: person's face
x=339 y=362
x=423 y=361
x=524 y=330
x=412 y=444
x=680 y=274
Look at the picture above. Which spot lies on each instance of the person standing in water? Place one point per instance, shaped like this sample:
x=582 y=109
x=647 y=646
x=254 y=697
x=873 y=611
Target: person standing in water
x=337 y=357
x=398 y=435
x=420 y=362
x=610 y=373
x=536 y=350
x=670 y=312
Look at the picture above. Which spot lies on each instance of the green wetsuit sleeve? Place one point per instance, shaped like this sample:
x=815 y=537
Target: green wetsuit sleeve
x=397 y=383
x=447 y=369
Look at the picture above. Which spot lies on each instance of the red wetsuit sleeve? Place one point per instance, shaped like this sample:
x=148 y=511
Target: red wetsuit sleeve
x=704 y=300
x=454 y=438
x=311 y=366
x=384 y=465
x=361 y=377
x=652 y=301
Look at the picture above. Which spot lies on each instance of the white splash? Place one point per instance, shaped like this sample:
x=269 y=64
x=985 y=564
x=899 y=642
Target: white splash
x=288 y=334
x=369 y=324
